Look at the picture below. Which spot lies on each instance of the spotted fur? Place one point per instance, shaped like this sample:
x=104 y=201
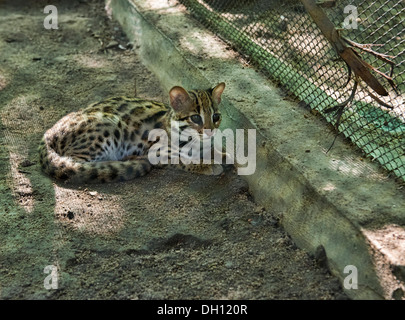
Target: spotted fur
x=108 y=141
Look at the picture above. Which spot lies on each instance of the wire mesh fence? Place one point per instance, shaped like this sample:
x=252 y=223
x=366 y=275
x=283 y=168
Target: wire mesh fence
x=281 y=38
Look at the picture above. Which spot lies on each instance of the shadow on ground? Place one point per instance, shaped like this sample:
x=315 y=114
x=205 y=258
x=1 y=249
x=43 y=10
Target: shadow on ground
x=168 y=235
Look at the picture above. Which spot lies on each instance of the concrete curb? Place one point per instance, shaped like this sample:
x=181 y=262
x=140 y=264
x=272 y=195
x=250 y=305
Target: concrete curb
x=335 y=203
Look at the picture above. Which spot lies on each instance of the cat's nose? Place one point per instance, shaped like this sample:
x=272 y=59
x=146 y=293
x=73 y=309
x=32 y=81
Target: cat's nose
x=209 y=132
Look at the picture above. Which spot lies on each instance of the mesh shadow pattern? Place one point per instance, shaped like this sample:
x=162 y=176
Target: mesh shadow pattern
x=282 y=40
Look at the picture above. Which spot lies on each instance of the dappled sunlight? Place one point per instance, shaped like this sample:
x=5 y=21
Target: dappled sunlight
x=3 y=82
x=306 y=44
x=89 y=211
x=199 y=44
x=22 y=116
x=91 y=61
x=194 y=40
x=18 y=119
x=346 y=167
x=354 y=167
x=158 y=4
x=328 y=187
x=390 y=240
x=20 y=183
x=21 y=119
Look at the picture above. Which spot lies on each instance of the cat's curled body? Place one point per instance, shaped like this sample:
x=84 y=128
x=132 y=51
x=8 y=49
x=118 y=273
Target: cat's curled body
x=109 y=140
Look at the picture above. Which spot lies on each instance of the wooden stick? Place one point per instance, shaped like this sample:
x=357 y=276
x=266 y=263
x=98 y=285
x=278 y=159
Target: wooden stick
x=347 y=54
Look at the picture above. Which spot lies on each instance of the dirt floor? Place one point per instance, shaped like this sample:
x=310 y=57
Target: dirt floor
x=168 y=235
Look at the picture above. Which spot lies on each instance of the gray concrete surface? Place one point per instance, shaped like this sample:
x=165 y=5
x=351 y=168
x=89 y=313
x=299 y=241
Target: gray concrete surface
x=338 y=203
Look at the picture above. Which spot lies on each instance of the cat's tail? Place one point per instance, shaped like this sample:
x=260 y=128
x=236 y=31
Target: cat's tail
x=67 y=169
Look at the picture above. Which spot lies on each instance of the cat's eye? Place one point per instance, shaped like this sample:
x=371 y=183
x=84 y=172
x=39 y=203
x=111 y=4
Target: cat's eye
x=196 y=118
x=216 y=117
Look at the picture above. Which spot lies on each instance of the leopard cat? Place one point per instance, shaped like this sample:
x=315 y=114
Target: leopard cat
x=108 y=141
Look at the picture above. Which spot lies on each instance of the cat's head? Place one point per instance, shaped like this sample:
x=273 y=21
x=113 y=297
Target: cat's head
x=197 y=109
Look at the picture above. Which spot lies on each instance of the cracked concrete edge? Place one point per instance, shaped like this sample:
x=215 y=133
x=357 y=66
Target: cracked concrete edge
x=338 y=203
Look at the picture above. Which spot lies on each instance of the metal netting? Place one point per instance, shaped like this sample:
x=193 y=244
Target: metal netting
x=281 y=38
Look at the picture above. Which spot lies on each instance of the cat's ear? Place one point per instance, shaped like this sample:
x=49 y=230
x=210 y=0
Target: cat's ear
x=217 y=92
x=179 y=99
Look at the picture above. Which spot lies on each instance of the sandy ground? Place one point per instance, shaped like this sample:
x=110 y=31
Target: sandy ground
x=168 y=235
